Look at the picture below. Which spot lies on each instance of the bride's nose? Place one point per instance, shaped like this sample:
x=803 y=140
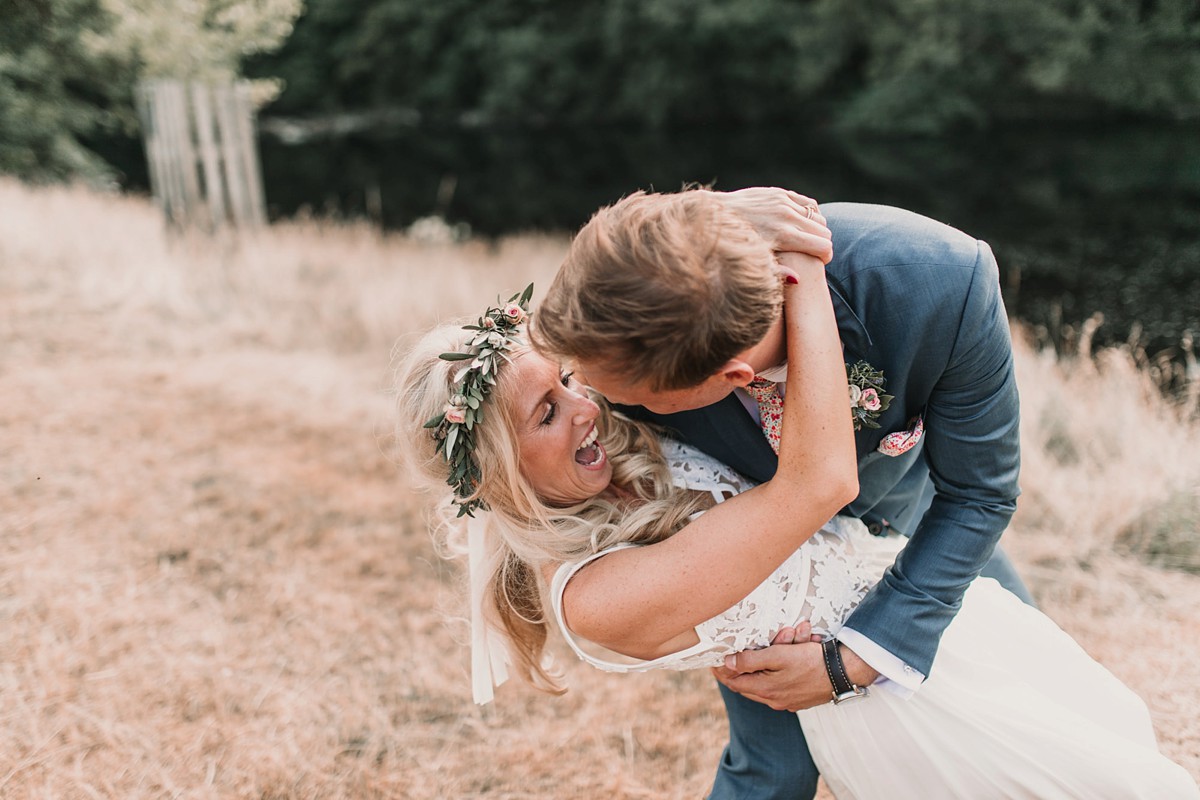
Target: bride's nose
x=585 y=410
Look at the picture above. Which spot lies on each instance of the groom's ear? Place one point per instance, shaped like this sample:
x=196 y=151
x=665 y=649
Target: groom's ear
x=736 y=372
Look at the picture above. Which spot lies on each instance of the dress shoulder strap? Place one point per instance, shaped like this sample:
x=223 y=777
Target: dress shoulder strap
x=558 y=586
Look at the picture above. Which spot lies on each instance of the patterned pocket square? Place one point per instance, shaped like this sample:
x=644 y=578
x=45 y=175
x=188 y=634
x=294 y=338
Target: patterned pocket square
x=900 y=442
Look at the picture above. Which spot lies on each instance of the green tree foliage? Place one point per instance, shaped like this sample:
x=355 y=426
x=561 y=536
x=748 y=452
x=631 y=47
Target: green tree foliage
x=933 y=63
x=882 y=65
x=197 y=40
x=68 y=68
x=51 y=93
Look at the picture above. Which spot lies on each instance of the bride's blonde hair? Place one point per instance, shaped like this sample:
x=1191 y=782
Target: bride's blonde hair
x=528 y=532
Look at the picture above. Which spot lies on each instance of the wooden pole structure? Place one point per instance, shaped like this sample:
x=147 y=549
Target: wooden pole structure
x=201 y=150
x=210 y=156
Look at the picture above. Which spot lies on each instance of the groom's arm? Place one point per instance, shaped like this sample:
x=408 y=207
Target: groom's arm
x=972 y=448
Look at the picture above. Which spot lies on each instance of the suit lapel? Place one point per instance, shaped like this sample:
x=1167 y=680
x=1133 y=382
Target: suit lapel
x=748 y=450
x=856 y=346
x=856 y=342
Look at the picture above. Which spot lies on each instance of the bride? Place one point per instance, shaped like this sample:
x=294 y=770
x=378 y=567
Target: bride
x=644 y=553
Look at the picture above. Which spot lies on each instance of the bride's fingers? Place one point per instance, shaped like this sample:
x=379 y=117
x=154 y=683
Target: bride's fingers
x=785 y=636
x=800 y=632
x=815 y=241
x=787 y=220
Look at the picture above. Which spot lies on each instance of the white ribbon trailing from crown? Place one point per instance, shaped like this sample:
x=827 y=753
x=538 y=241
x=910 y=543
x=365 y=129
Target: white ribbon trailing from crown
x=489 y=651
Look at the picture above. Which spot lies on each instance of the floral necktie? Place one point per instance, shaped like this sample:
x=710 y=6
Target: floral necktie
x=770 y=408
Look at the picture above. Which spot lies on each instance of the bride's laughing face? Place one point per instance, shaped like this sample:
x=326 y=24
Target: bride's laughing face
x=556 y=431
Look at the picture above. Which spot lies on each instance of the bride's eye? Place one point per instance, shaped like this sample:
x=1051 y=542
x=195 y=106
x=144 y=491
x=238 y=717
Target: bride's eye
x=565 y=377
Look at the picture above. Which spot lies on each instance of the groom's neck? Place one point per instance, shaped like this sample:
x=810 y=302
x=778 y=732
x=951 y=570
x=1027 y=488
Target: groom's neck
x=771 y=351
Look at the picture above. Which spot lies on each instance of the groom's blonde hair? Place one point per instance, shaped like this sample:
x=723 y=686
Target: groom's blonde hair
x=665 y=287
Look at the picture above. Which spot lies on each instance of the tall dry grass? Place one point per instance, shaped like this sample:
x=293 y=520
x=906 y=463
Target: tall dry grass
x=214 y=582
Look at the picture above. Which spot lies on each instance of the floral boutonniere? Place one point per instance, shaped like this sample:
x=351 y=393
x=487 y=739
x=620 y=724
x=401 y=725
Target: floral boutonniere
x=867 y=400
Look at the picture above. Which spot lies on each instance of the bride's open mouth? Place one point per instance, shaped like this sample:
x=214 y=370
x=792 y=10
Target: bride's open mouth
x=589 y=454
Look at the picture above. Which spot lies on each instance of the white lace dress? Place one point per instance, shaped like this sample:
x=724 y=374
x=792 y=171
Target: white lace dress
x=1014 y=708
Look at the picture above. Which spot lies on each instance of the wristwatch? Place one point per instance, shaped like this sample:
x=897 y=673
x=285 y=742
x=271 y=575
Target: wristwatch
x=843 y=689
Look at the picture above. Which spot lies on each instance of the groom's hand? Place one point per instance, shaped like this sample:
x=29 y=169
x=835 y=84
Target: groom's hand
x=790 y=222
x=789 y=676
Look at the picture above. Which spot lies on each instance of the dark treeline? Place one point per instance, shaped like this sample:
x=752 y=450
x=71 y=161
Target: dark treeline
x=1082 y=219
x=881 y=66
x=57 y=88
x=888 y=66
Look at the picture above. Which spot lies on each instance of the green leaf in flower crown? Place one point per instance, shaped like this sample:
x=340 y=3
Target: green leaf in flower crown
x=474 y=381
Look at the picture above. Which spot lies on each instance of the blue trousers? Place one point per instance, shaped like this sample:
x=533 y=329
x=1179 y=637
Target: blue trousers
x=767 y=757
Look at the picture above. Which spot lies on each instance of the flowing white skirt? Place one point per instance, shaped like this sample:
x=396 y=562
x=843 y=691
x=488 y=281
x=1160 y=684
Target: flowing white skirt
x=1013 y=708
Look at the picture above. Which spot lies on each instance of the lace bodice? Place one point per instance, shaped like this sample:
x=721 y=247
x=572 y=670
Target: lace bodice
x=822 y=581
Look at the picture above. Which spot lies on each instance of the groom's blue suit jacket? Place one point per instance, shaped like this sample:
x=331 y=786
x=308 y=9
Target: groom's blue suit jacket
x=921 y=302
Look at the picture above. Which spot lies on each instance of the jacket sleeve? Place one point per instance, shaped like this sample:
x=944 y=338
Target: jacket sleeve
x=972 y=447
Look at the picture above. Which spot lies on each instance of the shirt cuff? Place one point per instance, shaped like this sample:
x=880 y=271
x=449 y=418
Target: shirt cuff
x=894 y=675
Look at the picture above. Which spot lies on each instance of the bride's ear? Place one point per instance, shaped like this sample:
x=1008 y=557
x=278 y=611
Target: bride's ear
x=737 y=372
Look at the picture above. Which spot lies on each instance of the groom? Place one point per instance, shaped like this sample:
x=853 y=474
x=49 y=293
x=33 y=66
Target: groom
x=657 y=308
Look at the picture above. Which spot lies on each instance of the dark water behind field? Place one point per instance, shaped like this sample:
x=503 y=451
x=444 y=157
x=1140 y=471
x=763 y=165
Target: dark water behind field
x=1081 y=219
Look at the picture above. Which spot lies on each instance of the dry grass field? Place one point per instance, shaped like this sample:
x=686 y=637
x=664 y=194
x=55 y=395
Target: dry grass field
x=215 y=583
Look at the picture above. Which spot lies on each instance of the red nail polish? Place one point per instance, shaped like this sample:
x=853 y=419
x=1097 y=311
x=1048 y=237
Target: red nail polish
x=791 y=279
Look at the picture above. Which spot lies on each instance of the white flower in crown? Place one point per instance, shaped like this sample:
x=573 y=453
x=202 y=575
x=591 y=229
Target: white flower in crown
x=515 y=314
x=496 y=340
x=456 y=414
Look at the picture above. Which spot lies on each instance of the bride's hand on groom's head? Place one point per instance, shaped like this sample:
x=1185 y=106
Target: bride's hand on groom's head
x=789 y=221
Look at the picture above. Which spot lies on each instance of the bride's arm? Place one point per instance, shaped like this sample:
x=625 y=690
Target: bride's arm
x=636 y=601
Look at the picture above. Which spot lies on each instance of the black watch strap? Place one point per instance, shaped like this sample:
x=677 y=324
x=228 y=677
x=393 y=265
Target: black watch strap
x=843 y=688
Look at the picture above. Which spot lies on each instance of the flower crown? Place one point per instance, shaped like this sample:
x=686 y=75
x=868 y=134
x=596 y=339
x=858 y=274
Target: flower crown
x=454 y=428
